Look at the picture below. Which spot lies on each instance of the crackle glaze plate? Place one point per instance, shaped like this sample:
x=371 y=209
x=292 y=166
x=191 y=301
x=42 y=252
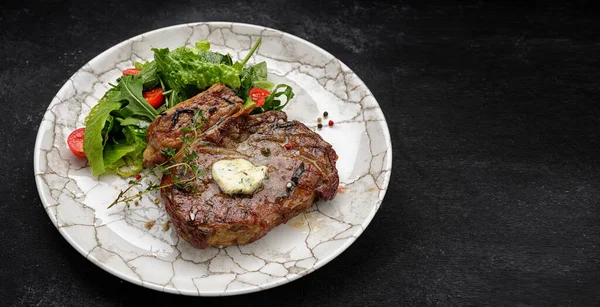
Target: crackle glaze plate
x=134 y=243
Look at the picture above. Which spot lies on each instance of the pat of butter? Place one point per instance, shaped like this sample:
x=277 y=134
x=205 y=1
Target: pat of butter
x=238 y=176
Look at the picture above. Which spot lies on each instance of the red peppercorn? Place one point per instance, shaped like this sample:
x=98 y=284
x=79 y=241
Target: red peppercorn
x=288 y=146
x=138 y=176
x=330 y=123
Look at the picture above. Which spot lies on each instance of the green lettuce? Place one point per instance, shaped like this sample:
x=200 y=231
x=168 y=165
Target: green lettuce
x=202 y=50
x=125 y=156
x=93 y=143
x=184 y=73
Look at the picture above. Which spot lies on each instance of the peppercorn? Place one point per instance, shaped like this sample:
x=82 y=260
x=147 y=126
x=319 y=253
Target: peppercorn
x=319 y=126
x=330 y=123
x=325 y=114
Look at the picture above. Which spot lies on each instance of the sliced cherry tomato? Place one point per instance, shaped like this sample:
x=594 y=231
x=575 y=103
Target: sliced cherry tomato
x=258 y=95
x=154 y=97
x=131 y=71
x=75 y=142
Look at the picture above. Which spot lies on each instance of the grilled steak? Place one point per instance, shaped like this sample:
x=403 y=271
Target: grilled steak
x=216 y=103
x=301 y=169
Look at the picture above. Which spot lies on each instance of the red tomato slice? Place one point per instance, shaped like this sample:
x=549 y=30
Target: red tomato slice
x=75 y=142
x=154 y=97
x=131 y=71
x=258 y=95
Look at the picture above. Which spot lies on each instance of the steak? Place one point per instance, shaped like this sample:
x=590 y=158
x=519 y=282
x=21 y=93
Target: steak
x=216 y=103
x=300 y=170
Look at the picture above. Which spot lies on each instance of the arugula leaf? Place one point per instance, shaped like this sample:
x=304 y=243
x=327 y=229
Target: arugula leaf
x=240 y=65
x=174 y=97
x=130 y=90
x=93 y=142
x=273 y=102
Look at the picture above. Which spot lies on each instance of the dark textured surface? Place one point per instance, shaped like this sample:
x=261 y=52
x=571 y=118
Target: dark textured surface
x=494 y=113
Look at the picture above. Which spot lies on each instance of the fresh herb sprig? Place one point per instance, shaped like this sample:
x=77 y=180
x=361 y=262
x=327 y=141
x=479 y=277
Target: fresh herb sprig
x=189 y=170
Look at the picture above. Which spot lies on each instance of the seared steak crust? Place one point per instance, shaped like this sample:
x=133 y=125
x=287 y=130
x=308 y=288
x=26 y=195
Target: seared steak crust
x=301 y=169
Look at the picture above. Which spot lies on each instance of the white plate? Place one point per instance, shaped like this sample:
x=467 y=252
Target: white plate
x=117 y=239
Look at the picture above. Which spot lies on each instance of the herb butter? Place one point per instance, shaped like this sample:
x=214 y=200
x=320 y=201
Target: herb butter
x=238 y=176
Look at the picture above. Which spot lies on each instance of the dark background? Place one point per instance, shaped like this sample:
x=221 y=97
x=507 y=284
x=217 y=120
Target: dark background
x=494 y=114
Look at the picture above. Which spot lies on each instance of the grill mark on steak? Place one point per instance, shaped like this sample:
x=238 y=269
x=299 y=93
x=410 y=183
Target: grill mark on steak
x=298 y=173
x=175 y=117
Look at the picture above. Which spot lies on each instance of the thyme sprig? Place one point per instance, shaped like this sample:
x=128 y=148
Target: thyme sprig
x=190 y=171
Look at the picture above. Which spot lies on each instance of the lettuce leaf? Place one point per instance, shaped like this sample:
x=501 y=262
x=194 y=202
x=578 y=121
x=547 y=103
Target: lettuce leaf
x=148 y=75
x=133 y=121
x=93 y=143
x=125 y=156
x=185 y=72
x=115 y=152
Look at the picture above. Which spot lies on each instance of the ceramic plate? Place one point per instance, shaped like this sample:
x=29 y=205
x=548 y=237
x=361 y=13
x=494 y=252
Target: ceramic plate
x=119 y=239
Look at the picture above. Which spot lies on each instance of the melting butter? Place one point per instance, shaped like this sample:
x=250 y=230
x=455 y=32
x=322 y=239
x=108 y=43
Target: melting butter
x=238 y=176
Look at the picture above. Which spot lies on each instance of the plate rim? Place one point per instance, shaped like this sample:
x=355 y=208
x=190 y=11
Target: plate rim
x=277 y=282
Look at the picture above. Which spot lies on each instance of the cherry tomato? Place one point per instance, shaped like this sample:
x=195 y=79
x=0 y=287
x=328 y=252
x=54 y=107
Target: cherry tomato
x=75 y=142
x=154 y=97
x=258 y=95
x=131 y=71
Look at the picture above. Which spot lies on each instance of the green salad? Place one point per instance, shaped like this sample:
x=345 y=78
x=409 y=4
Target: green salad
x=115 y=133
